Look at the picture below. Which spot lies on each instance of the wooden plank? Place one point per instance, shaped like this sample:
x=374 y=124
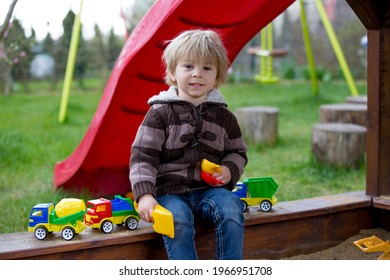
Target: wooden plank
x=366 y=12
x=373 y=84
x=382 y=202
x=378 y=116
x=375 y=16
x=384 y=114
x=292 y=227
x=86 y=245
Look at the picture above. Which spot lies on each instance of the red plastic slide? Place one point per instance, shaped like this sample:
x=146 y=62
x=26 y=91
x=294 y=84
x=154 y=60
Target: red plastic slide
x=100 y=164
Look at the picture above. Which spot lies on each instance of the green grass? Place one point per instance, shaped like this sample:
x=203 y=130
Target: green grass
x=290 y=161
x=32 y=141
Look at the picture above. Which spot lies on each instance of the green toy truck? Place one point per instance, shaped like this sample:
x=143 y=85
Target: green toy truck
x=257 y=191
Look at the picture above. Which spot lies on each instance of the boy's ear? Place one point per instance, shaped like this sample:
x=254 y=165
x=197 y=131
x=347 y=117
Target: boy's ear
x=172 y=76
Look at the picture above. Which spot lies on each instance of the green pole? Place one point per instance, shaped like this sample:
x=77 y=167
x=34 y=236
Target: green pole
x=308 y=48
x=269 y=70
x=336 y=48
x=74 y=42
x=263 y=48
x=266 y=71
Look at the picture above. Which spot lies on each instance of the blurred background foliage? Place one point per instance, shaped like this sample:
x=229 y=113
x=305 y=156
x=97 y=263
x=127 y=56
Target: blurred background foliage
x=24 y=58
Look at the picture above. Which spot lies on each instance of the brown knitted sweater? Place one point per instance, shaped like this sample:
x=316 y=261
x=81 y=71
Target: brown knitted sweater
x=175 y=136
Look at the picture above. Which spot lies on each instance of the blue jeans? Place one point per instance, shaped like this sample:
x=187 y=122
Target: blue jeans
x=217 y=206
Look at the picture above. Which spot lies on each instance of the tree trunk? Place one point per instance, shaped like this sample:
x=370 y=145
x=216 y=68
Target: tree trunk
x=339 y=144
x=344 y=113
x=357 y=99
x=258 y=124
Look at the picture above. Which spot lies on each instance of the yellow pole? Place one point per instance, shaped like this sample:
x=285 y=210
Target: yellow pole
x=336 y=48
x=70 y=66
x=308 y=48
x=269 y=71
x=263 y=59
x=266 y=67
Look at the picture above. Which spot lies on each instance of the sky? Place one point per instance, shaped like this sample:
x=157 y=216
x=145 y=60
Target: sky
x=47 y=15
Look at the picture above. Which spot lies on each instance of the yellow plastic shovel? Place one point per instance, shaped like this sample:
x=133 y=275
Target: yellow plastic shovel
x=163 y=220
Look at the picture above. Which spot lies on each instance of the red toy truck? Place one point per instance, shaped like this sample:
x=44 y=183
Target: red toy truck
x=103 y=213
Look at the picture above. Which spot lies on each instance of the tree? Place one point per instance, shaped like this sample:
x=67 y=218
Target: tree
x=7 y=19
x=81 y=61
x=49 y=48
x=5 y=69
x=97 y=56
x=61 y=55
x=133 y=14
x=19 y=51
x=114 y=48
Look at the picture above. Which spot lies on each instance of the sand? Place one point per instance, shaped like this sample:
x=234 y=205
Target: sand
x=347 y=250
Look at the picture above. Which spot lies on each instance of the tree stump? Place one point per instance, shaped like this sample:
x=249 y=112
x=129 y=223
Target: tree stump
x=344 y=113
x=259 y=124
x=339 y=144
x=357 y=100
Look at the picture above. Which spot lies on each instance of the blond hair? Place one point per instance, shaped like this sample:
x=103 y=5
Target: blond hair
x=198 y=45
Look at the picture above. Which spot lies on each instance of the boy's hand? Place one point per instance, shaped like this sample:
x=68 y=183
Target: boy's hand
x=146 y=205
x=224 y=176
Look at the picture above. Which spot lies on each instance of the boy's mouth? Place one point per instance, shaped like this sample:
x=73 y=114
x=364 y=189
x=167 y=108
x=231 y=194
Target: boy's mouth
x=196 y=84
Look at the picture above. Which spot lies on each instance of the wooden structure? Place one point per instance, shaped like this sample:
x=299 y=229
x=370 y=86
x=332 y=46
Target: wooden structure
x=292 y=228
x=375 y=17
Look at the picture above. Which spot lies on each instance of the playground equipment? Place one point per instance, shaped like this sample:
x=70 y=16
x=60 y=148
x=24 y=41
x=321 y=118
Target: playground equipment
x=374 y=244
x=335 y=45
x=266 y=51
x=70 y=65
x=100 y=164
x=336 y=48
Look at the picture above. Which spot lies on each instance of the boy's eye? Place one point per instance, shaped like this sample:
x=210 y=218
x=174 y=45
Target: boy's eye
x=207 y=68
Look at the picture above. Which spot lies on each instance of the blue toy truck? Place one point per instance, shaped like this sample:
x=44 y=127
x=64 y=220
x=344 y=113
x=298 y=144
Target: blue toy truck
x=257 y=191
x=65 y=217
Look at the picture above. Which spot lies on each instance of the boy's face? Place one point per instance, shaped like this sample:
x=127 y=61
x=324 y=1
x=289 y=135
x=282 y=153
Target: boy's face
x=194 y=79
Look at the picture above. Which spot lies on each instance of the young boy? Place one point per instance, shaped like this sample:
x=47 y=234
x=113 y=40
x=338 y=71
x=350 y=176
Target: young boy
x=185 y=124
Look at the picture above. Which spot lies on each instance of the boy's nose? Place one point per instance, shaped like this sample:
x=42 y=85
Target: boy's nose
x=196 y=73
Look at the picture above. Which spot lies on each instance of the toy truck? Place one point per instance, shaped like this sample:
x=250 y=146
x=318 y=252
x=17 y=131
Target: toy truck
x=65 y=217
x=257 y=191
x=103 y=214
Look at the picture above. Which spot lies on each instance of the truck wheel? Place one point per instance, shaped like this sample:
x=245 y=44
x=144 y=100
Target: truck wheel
x=244 y=206
x=40 y=232
x=265 y=206
x=106 y=227
x=131 y=223
x=68 y=233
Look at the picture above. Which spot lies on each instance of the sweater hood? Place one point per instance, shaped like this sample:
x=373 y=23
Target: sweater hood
x=214 y=96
